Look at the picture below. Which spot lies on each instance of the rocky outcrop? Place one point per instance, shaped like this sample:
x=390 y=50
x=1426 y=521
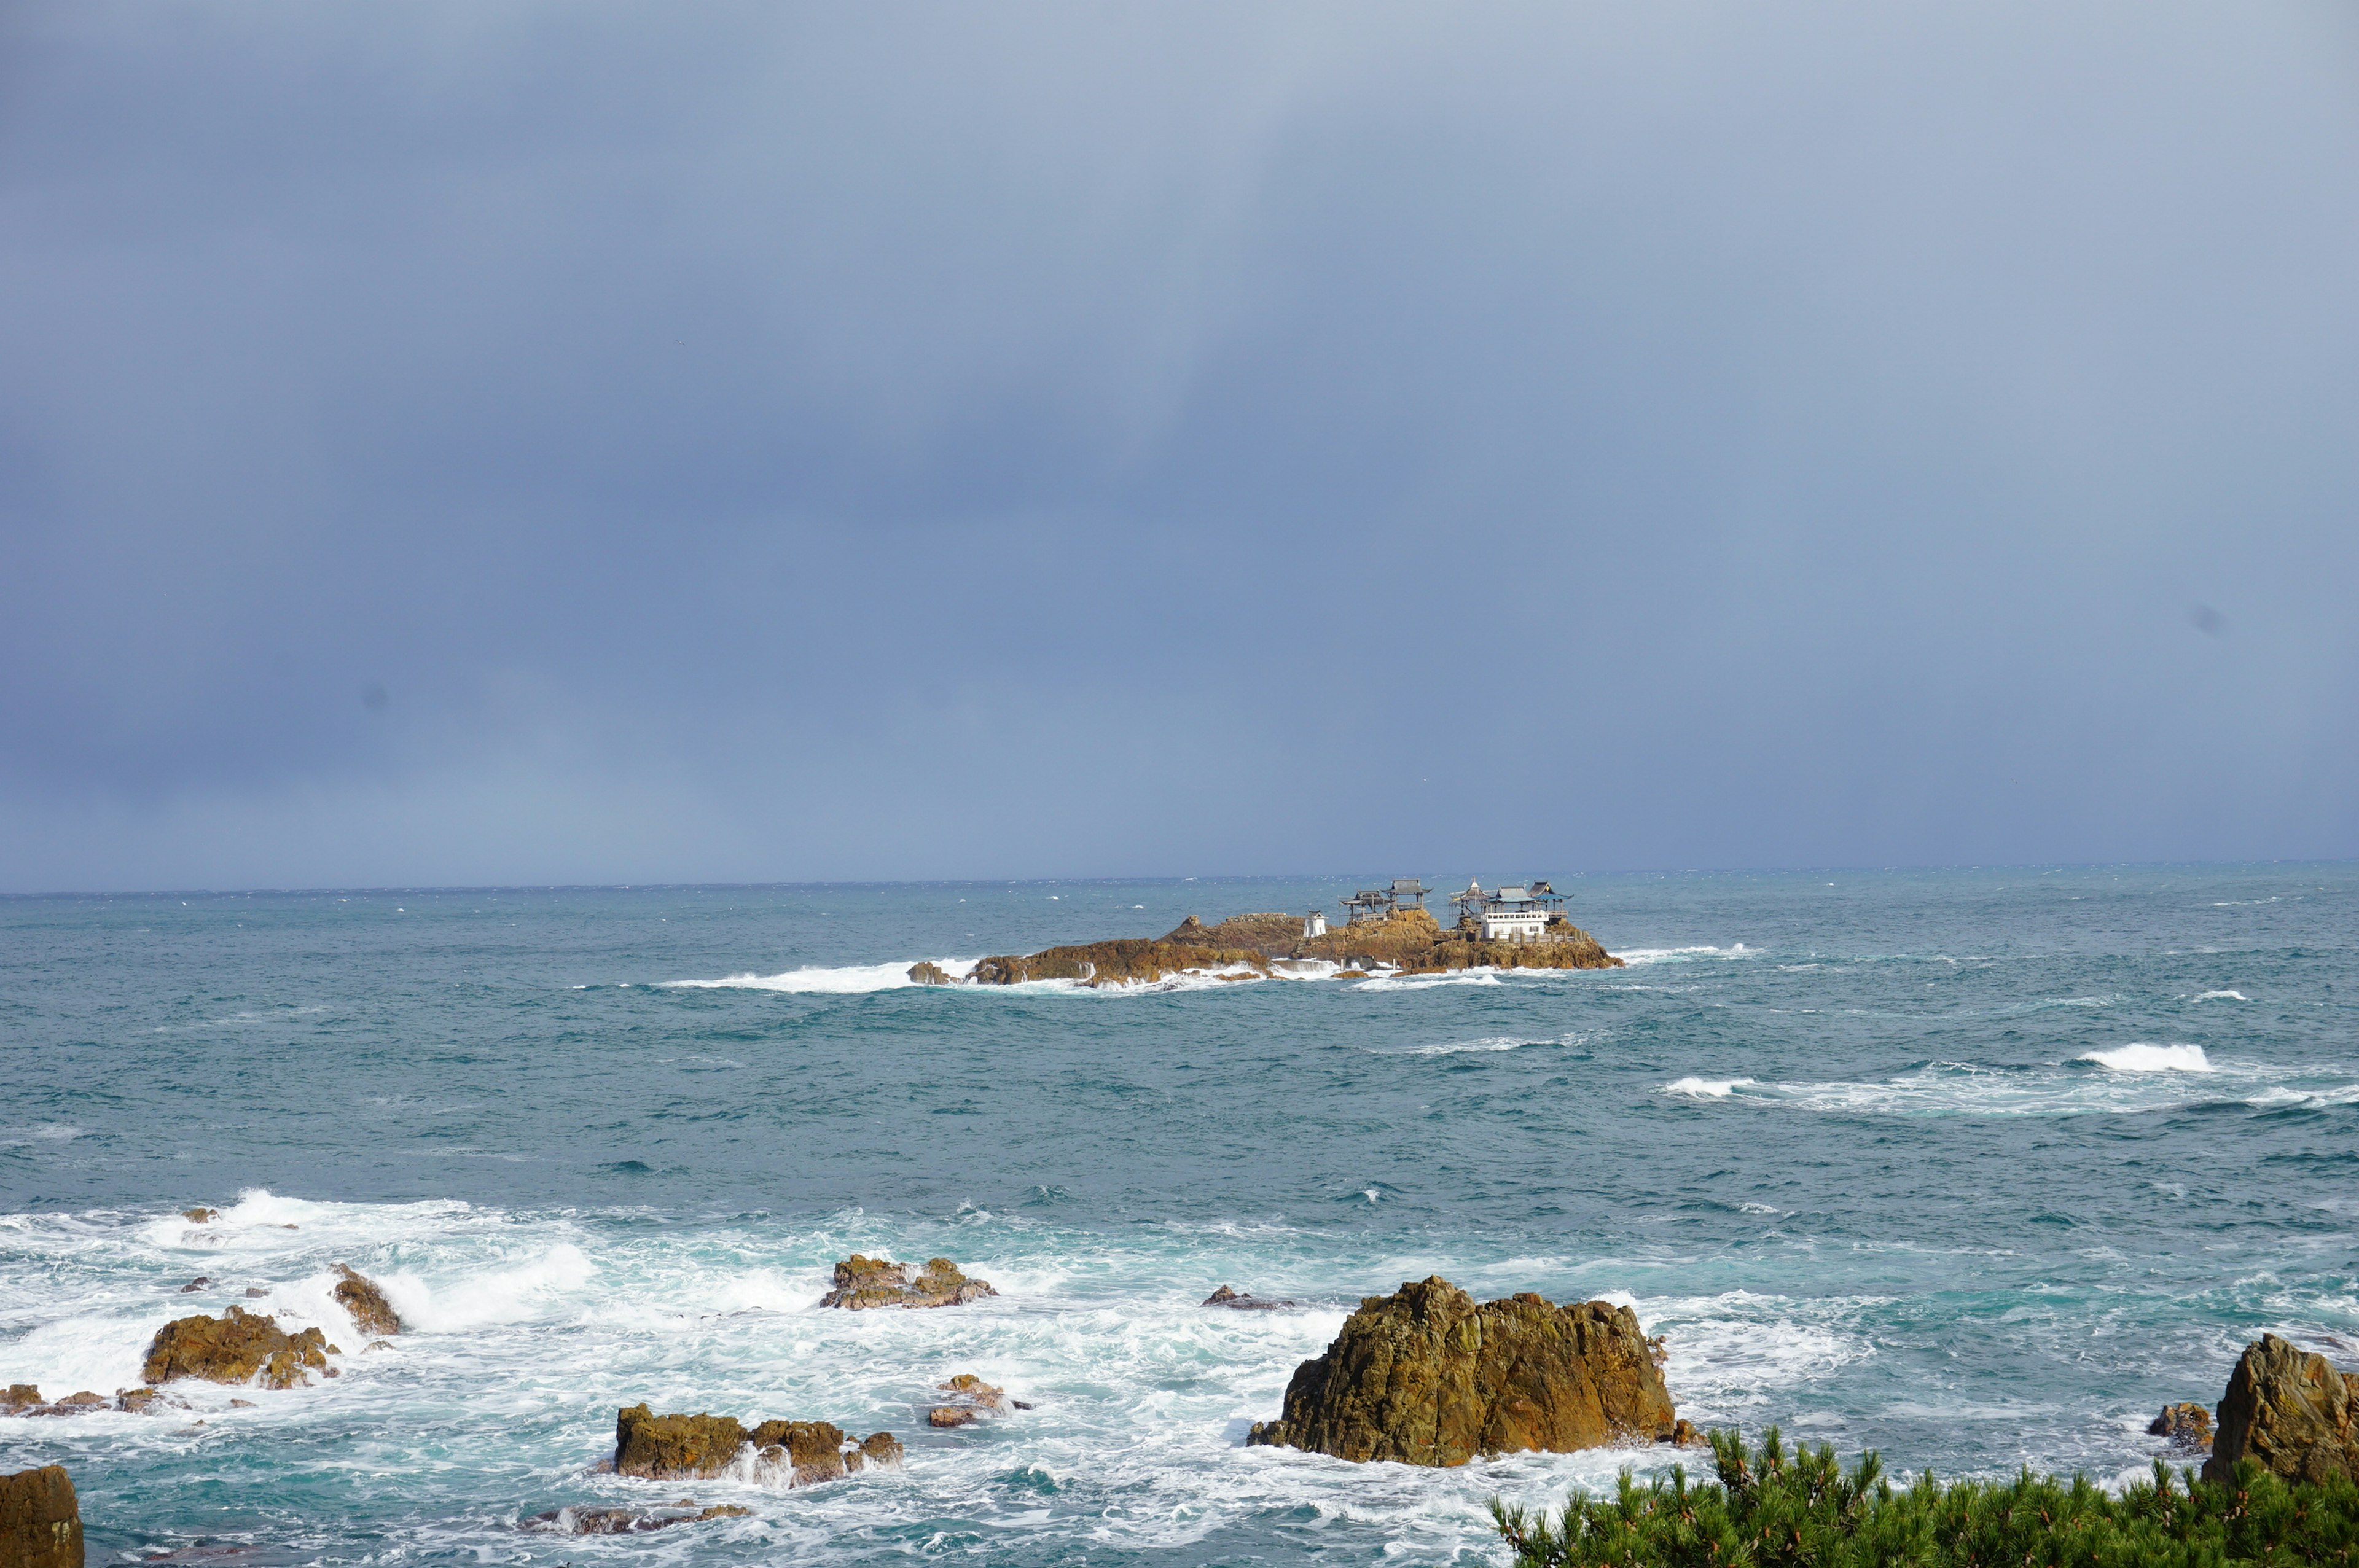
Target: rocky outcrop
x=40 y=1522
x=238 y=1346
x=1241 y=1302
x=695 y=1447
x=1427 y=1377
x=927 y=973
x=630 y=1521
x=1129 y=960
x=20 y=1397
x=1271 y=934
x=2289 y=1410
x=201 y=1215
x=1413 y=940
x=971 y=1400
x=864 y=1282
x=359 y=1295
x=2187 y=1424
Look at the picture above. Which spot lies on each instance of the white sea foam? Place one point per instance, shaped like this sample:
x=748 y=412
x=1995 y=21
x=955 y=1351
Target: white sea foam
x=2151 y=1059
x=2222 y=996
x=1635 y=955
x=849 y=980
x=1706 y=1088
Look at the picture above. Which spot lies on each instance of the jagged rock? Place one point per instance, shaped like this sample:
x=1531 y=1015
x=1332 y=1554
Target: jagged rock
x=927 y=973
x=627 y=1521
x=2188 y=1426
x=20 y=1396
x=359 y=1295
x=201 y=1215
x=40 y=1522
x=692 y=1447
x=1682 y=1434
x=235 y=1348
x=971 y=1389
x=864 y=1282
x=1128 y=960
x=953 y=1415
x=1425 y=1377
x=2289 y=1410
x=1241 y=1302
x=139 y=1401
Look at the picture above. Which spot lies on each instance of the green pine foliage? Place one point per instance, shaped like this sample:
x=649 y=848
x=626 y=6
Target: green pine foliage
x=1776 y=1508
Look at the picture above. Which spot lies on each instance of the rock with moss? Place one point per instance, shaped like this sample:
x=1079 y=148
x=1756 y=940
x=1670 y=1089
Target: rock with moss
x=2292 y=1411
x=1426 y=1376
x=238 y=1346
x=40 y=1520
x=359 y=1295
x=863 y=1283
x=701 y=1446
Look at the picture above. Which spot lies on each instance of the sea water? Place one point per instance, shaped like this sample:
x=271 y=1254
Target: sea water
x=1974 y=1168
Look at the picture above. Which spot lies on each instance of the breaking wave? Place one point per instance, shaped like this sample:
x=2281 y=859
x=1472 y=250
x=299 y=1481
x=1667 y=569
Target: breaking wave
x=850 y=980
x=2151 y=1059
x=1706 y=1088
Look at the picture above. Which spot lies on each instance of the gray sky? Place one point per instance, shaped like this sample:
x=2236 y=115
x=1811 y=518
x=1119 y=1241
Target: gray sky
x=484 y=442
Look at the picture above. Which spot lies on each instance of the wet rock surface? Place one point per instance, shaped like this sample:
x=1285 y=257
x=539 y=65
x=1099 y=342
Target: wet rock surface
x=630 y=1521
x=40 y=1521
x=701 y=1446
x=359 y=1295
x=863 y=1283
x=2187 y=1424
x=927 y=973
x=238 y=1346
x=2290 y=1409
x=1240 y=1301
x=1428 y=1377
x=971 y=1400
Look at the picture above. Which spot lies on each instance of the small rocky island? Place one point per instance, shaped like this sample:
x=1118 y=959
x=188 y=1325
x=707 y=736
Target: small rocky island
x=1385 y=930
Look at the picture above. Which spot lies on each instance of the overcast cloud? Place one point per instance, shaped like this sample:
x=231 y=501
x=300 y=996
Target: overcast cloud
x=489 y=443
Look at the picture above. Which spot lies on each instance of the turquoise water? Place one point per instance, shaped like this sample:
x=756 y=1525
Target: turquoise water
x=1978 y=1168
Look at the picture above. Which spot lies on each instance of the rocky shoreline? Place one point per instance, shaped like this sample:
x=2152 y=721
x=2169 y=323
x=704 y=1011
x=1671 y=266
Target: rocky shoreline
x=1426 y=1376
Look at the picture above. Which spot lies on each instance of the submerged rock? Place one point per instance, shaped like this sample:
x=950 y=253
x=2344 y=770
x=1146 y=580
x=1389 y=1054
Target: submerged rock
x=359 y=1295
x=628 y=1522
x=198 y=1283
x=864 y=1282
x=698 y=1447
x=1427 y=1377
x=40 y=1521
x=1241 y=1302
x=2187 y=1424
x=235 y=1348
x=2289 y=1410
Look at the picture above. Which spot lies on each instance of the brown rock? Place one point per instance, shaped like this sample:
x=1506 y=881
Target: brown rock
x=201 y=1215
x=1683 y=1433
x=953 y=1415
x=684 y=1448
x=2289 y=1410
x=975 y=1391
x=198 y=1283
x=40 y=1522
x=1425 y=1377
x=881 y=1448
x=359 y=1295
x=815 y=1448
x=235 y=1348
x=928 y=973
x=255 y=1292
x=675 y=1447
x=1128 y=960
x=138 y=1401
x=863 y=1282
x=2188 y=1426
x=20 y=1396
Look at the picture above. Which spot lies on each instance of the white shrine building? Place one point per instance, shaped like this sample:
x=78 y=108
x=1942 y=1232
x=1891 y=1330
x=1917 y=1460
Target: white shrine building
x=1511 y=913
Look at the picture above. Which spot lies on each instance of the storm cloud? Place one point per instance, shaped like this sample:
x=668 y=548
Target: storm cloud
x=501 y=443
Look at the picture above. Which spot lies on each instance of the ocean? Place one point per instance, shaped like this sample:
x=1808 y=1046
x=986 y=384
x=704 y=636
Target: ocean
x=1975 y=1168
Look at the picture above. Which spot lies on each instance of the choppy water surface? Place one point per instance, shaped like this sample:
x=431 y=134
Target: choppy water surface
x=1977 y=1168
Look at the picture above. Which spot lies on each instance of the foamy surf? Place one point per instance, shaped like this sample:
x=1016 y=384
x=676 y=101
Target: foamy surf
x=851 y=980
x=2222 y=996
x=1706 y=1088
x=1634 y=956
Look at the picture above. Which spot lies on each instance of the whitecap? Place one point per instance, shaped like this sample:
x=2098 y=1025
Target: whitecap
x=2151 y=1059
x=1685 y=955
x=2222 y=996
x=1706 y=1088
